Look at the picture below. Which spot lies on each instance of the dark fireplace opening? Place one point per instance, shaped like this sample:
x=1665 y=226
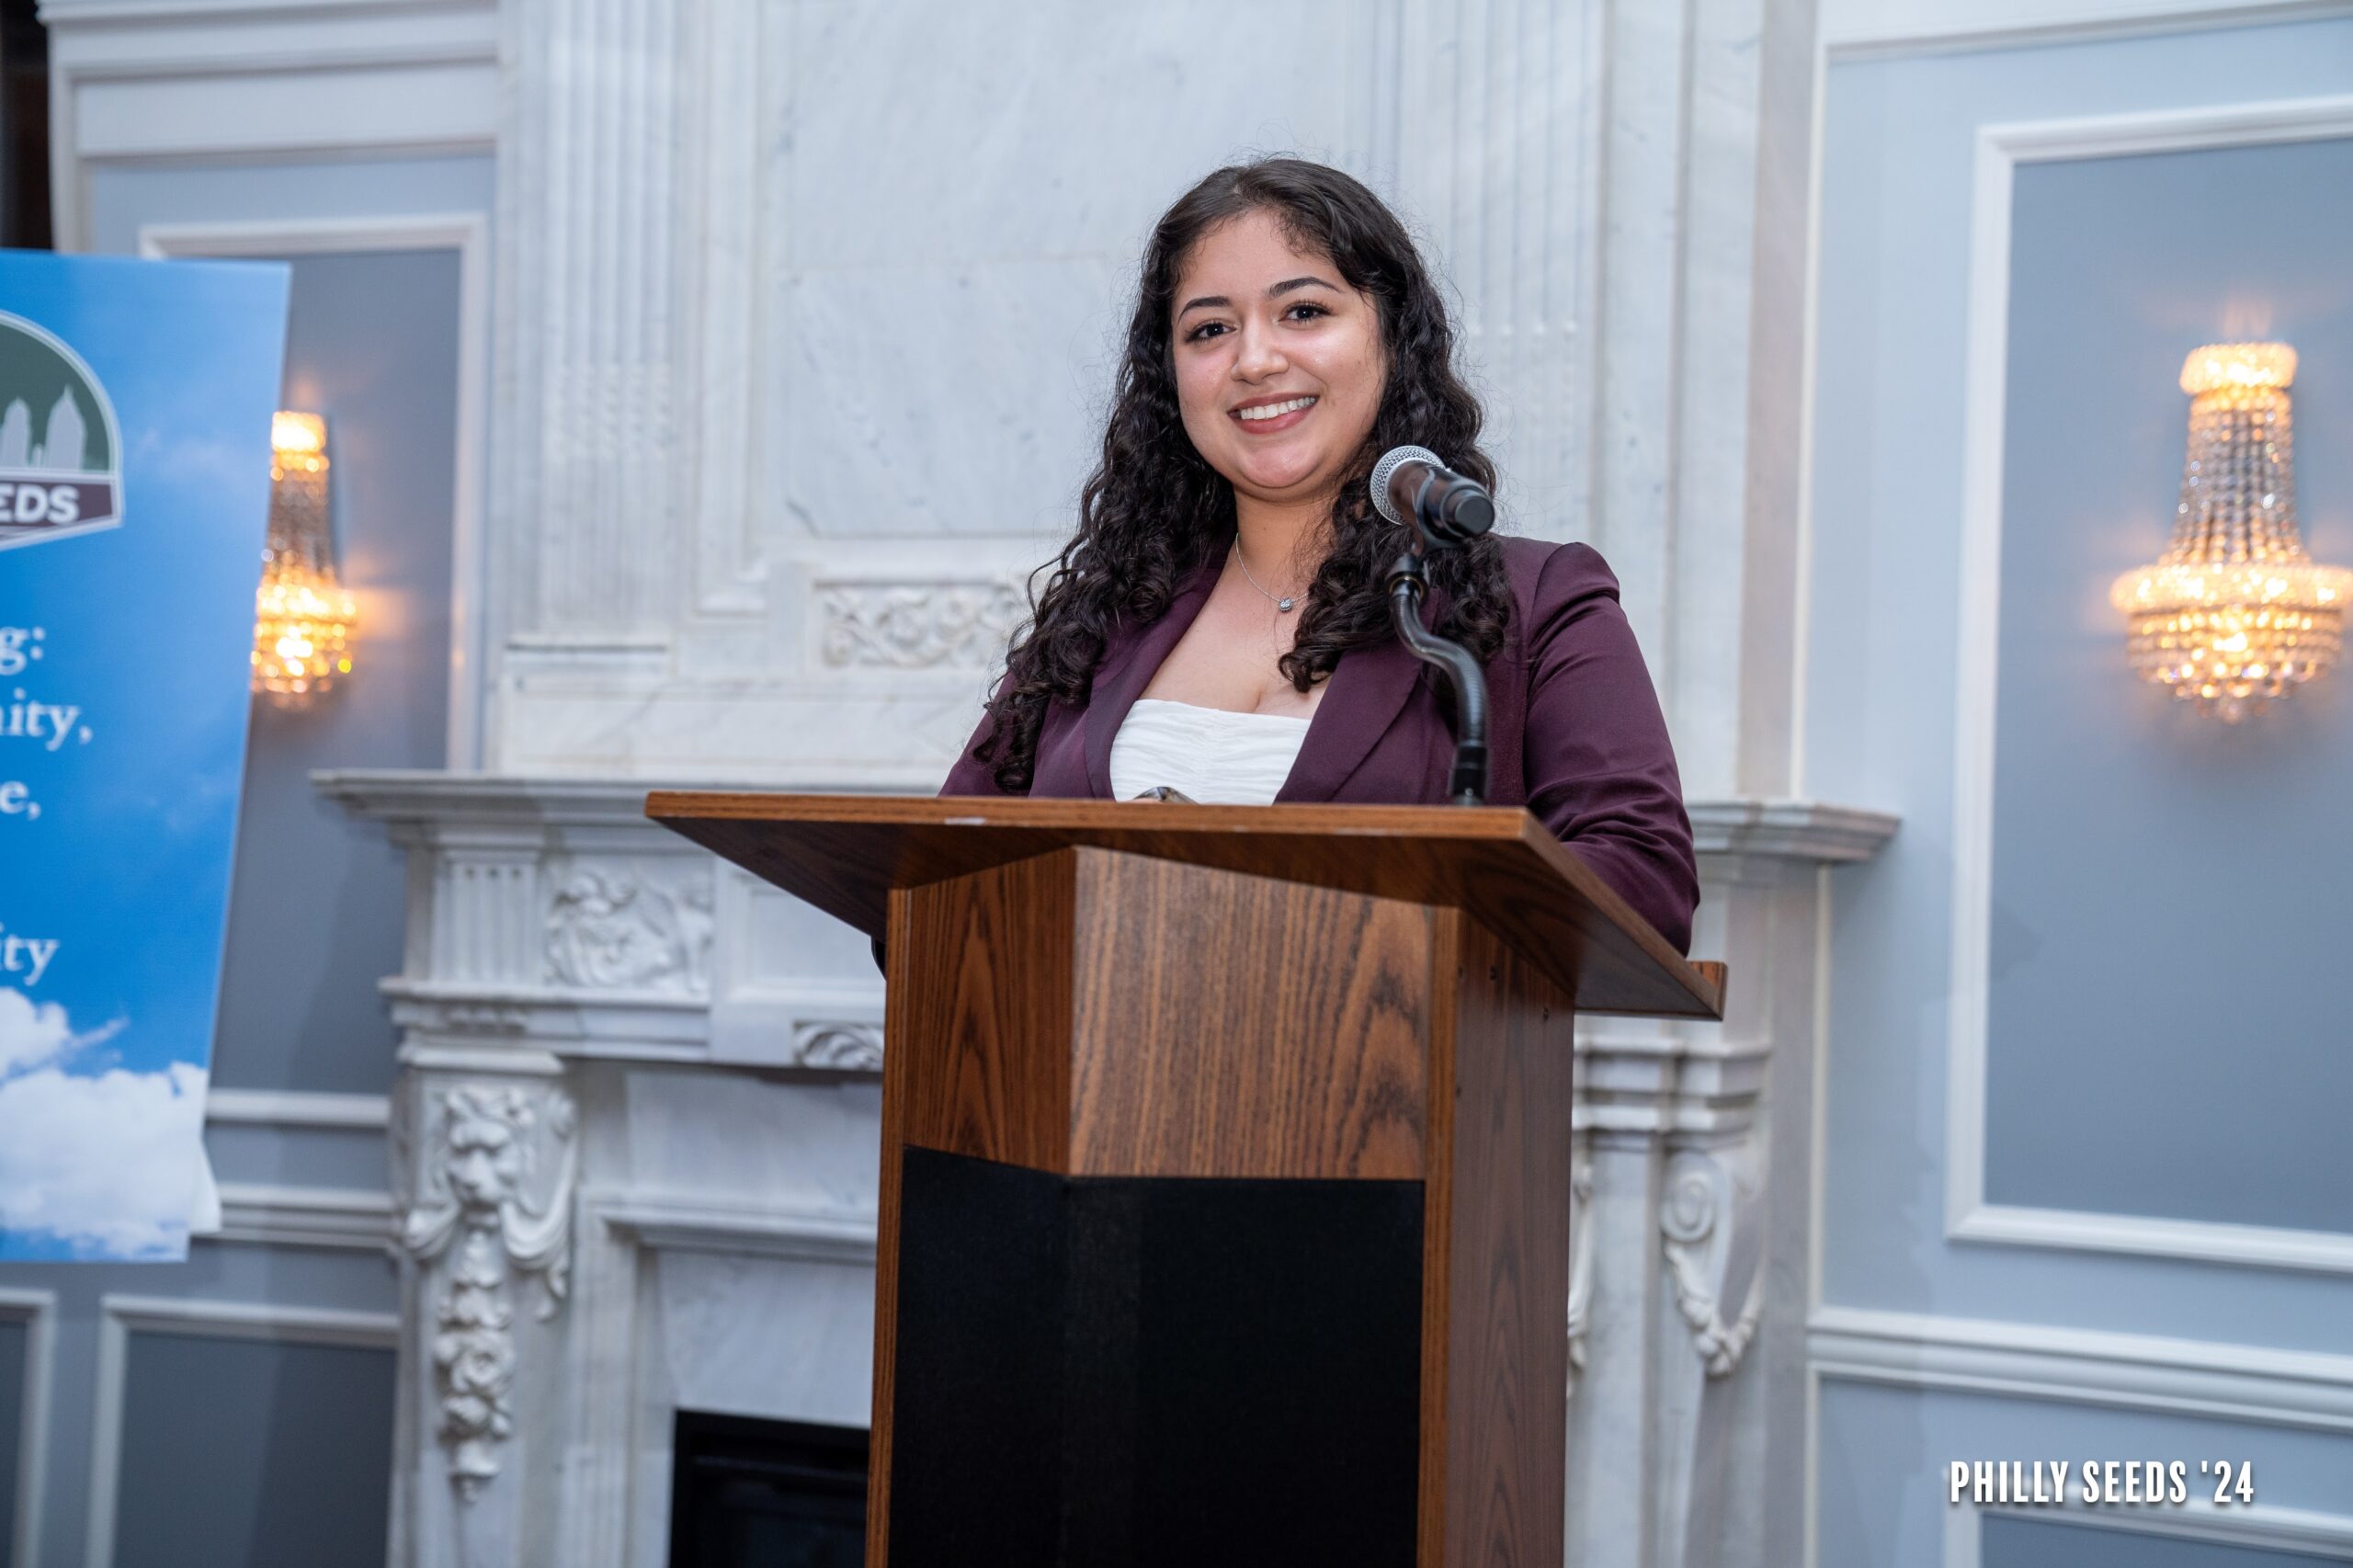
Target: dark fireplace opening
x=746 y=1493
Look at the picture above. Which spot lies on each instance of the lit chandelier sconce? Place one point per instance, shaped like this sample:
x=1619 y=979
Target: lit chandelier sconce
x=303 y=618
x=2235 y=613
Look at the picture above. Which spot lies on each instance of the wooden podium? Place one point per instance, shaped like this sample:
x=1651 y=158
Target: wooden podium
x=1225 y=1169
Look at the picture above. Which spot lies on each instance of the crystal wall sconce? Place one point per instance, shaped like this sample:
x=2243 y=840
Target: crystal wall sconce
x=302 y=617
x=2235 y=613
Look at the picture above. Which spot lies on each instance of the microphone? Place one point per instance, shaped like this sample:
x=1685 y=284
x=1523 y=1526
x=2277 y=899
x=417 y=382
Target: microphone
x=1447 y=509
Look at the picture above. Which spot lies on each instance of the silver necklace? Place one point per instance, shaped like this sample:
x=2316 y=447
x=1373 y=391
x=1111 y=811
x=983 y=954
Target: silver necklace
x=1282 y=606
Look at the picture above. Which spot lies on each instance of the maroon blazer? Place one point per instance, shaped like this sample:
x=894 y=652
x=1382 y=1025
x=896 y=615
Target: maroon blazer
x=1573 y=727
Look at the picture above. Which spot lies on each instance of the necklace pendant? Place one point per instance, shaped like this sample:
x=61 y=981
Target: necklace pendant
x=1283 y=605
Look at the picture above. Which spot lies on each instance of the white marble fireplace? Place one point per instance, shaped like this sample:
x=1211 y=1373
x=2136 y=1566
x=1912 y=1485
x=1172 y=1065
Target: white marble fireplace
x=636 y=1156
x=637 y=1152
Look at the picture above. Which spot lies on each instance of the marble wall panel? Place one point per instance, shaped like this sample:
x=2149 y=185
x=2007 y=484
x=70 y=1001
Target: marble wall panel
x=1036 y=128
x=957 y=396
x=958 y=246
x=722 y=1350
x=809 y=1147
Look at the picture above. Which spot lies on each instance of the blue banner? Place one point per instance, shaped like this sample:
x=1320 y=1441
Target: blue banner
x=135 y=402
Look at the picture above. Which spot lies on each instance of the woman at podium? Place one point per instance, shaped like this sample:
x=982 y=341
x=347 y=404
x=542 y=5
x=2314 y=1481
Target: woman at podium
x=1219 y=625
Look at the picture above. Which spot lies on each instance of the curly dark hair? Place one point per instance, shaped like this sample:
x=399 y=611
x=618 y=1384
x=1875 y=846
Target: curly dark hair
x=1153 y=510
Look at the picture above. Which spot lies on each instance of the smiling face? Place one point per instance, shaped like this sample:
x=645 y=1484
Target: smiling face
x=1279 y=364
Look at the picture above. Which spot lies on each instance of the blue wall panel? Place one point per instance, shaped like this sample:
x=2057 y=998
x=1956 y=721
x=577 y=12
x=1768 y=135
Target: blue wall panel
x=1898 y=188
x=317 y=912
x=13 y=1337
x=2172 y=896
x=2126 y=1076
x=250 y=1454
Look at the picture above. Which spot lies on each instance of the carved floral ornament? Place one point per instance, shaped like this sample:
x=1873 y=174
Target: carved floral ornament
x=919 y=626
x=1689 y=1219
x=838 y=1047
x=612 y=926
x=497 y=1178
x=1696 y=1250
x=1580 y=1264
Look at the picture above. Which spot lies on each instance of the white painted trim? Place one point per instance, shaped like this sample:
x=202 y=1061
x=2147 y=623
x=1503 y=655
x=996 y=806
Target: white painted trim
x=2256 y=1246
x=122 y=1316
x=136 y=13
x=1804 y=831
x=2265 y=123
x=1809 y=376
x=1979 y=571
x=149 y=42
x=2303 y=1389
x=36 y=1309
x=468 y=233
x=202 y=1318
x=2200 y=1379
x=69 y=166
x=1882 y=31
x=2256 y=1527
x=1816 y=1202
x=1968 y=1217
x=270 y=1214
x=304 y=1108
x=685 y=1225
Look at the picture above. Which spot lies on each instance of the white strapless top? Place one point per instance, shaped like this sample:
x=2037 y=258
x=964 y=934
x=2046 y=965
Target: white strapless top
x=1211 y=755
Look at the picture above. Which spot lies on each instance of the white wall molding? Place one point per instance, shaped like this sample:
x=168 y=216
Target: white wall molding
x=467 y=233
x=2259 y=1247
x=2207 y=1379
x=2203 y=1380
x=273 y=1214
x=2254 y=1527
x=1968 y=1216
x=120 y=1317
x=140 y=80
x=308 y=1109
x=133 y=13
x=1798 y=835
x=36 y=1309
x=687 y=1225
x=1866 y=29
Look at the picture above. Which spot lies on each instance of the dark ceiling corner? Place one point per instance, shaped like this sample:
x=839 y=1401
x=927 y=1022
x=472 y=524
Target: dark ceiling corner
x=24 y=126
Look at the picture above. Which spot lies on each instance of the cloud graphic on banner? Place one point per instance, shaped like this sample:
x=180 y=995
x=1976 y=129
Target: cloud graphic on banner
x=30 y=1033
x=104 y=1159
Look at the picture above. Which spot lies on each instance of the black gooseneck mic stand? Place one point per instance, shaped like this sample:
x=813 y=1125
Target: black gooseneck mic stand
x=1406 y=586
x=1445 y=510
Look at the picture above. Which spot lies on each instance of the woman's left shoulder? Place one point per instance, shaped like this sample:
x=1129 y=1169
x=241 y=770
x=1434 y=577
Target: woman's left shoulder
x=1547 y=575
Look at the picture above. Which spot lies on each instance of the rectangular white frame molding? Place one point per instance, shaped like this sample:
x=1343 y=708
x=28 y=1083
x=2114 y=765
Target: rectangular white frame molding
x=467 y=233
x=1968 y=1216
x=36 y=1309
x=122 y=1316
x=1864 y=29
x=189 y=82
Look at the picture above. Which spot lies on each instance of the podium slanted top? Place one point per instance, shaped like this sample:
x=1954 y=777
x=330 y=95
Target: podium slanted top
x=1498 y=863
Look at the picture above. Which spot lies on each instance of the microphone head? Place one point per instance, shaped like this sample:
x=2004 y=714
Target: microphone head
x=1386 y=469
x=1474 y=517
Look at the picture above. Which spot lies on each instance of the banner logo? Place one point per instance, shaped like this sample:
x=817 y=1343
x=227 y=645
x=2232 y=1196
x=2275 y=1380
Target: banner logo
x=60 y=455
